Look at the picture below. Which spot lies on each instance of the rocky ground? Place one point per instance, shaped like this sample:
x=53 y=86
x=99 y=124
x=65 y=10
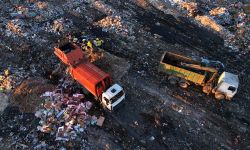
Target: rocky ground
x=156 y=115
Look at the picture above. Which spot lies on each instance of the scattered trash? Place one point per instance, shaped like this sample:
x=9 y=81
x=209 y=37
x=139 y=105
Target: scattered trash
x=152 y=138
x=100 y=121
x=65 y=116
x=231 y=21
x=221 y=15
x=11 y=78
x=209 y=22
x=136 y=123
x=190 y=7
x=43 y=145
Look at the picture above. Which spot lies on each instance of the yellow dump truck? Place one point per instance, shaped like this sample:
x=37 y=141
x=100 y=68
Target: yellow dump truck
x=185 y=71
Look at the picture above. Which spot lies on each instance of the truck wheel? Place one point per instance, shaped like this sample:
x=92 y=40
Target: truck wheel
x=172 y=79
x=219 y=96
x=207 y=89
x=183 y=84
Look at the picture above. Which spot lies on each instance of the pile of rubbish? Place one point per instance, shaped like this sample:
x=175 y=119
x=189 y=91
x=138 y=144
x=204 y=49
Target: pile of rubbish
x=101 y=6
x=10 y=78
x=65 y=114
x=29 y=19
x=191 y=8
x=230 y=21
x=221 y=15
x=209 y=22
x=15 y=26
x=59 y=25
x=113 y=24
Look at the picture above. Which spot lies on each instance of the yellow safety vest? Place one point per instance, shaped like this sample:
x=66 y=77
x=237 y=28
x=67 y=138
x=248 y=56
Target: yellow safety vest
x=89 y=44
x=99 y=42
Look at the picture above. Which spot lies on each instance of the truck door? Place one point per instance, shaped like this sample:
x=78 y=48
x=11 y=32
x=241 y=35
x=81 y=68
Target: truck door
x=99 y=88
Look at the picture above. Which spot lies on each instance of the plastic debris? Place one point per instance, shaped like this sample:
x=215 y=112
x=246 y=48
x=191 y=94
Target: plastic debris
x=100 y=121
x=152 y=138
x=221 y=15
x=190 y=7
x=60 y=113
x=65 y=116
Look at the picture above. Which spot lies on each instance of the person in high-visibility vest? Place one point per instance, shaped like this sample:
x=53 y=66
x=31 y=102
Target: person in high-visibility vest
x=89 y=44
x=98 y=42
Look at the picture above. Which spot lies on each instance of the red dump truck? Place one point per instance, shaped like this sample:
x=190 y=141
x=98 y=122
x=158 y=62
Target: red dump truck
x=89 y=76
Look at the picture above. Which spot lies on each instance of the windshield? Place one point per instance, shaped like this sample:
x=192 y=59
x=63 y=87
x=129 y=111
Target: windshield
x=231 y=88
x=117 y=96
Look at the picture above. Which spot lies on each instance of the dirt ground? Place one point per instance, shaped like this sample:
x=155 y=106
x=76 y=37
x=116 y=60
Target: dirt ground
x=156 y=114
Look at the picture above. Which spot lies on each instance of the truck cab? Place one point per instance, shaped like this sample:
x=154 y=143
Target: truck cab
x=227 y=85
x=113 y=96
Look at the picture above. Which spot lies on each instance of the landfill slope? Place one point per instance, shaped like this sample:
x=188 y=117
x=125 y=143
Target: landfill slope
x=156 y=114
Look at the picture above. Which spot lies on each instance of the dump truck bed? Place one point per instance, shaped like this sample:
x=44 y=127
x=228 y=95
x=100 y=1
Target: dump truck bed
x=86 y=73
x=69 y=53
x=90 y=76
x=171 y=64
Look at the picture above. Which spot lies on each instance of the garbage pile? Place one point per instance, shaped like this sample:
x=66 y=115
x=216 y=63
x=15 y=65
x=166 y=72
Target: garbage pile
x=10 y=78
x=65 y=114
x=14 y=26
x=209 y=22
x=221 y=15
x=29 y=19
x=59 y=25
x=104 y=7
x=113 y=24
x=231 y=21
x=191 y=7
x=40 y=11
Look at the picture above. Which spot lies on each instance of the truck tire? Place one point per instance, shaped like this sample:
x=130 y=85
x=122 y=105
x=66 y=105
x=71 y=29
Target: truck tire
x=219 y=96
x=172 y=79
x=183 y=84
x=207 y=89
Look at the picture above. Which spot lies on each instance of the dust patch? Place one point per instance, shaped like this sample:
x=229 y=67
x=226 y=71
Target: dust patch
x=27 y=95
x=113 y=65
